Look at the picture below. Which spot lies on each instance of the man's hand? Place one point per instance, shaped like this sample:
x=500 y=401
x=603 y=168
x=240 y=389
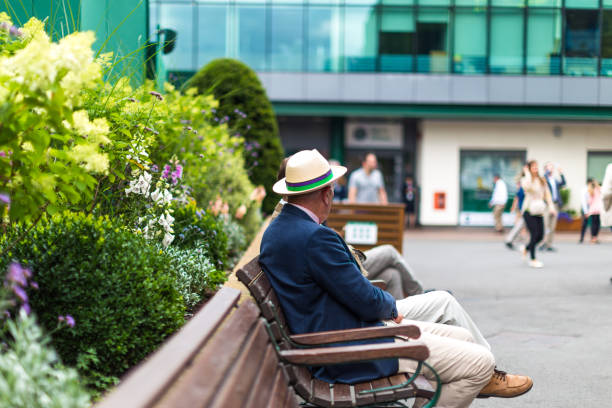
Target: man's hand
x=399 y=318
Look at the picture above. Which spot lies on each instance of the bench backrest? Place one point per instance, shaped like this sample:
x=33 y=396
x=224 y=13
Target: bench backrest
x=388 y=218
x=222 y=358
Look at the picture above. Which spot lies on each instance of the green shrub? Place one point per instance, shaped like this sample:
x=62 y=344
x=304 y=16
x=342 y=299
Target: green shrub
x=236 y=239
x=199 y=228
x=243 y=104
x=30 y=373
x=120 y=290
x=195 y=274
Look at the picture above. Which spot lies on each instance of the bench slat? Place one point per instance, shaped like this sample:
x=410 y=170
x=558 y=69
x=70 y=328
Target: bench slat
x=278 y=396
x=240 y=379
x=364 y=399
x=382 y=396
x=145 y=383
x=260 y=391
x=200 y=382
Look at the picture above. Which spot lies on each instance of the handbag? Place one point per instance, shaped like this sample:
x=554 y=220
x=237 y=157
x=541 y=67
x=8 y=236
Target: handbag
x=537 y=207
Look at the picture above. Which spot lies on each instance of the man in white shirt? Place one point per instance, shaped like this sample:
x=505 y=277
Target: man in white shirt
x=498 y=202
x=366 y=184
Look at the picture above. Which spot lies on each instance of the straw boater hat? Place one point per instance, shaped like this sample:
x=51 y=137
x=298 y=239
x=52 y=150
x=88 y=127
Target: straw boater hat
x=307 y=171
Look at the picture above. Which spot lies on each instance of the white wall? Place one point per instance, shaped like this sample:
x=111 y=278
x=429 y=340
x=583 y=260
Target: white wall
x=441 y=142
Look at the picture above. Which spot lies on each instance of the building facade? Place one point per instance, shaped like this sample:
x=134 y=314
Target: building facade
x=449 y=92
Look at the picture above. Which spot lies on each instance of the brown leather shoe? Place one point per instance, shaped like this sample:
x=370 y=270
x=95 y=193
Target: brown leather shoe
x=504 y=385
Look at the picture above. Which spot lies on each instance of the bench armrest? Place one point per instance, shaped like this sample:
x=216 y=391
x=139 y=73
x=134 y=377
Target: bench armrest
x=379 y=283
x=338 y=336
x=414 y=350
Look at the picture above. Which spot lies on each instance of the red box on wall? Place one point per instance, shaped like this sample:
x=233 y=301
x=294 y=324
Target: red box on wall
x=439 y=200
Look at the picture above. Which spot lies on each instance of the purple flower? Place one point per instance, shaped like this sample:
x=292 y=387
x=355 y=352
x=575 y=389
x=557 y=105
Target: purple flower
x=2 y=153
x=26 y=308
x=21 y=294
x=185 y=122
x=154 y=168
x=155 y=132
x=5 y=198
x=230 y=150
x=60 y=318
x=7 y=314
x=34 y=285
x=14 y=31
x=132 y=99
x=70 y=321
x=157 y=95
x=255 y=163
x=204 y=111
x=179 y=171
x=188 y=128
x=254 y=154
x=16 y=274
x=213 y=110
x=5 y=26
x=201 y=156
x=166 y=172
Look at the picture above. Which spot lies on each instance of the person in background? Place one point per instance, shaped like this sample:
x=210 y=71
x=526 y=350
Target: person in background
x=584 y=209
x=606 y=198
x=410 y=197
x=340 y=189
x=498 y=201
x=537 y=202
x=519 y=222
x=366 y=185
x=595 y=209
x=550 y=218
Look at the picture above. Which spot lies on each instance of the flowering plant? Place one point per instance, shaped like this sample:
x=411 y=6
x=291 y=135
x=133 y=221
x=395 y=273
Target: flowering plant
x=50 y=150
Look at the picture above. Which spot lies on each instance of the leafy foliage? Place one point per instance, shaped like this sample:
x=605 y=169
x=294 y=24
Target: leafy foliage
x=195 y=274
x=120 y=290
x=31 y=375
x=244 y=105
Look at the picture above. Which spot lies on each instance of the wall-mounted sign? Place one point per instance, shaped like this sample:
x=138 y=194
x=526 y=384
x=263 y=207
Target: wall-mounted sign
x=361 y=233
x=374 y=134
x=439 y=200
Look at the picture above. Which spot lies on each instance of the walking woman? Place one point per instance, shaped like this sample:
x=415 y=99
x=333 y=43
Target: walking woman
x=595 y=209
x=536 y=203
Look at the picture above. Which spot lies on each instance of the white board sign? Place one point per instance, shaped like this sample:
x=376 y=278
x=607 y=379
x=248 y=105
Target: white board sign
x=361 y=233
x=374 y=134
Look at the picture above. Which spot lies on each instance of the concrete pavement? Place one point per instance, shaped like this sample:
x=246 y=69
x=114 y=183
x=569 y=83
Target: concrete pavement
x=554 y=324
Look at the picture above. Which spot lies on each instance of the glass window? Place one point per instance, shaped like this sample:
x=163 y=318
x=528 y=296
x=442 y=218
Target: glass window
x=607 y=3
x=432 y=40
x=399 y=2
x=361 y=2
x=606 y=44
x=473 y=3
x=582 y=4
x=508 y=3
x=470 y=33
x=360 y=39
x=544 y=3
x=212 y=24
x=597 y=163
x=506 y=41
x=581 y=42
x=153 y=20
x=178 y=17
x=286 y=33
x=395 y=40
x=323 y=39
x=425 y=3
x=544 y=42
x=251 y=27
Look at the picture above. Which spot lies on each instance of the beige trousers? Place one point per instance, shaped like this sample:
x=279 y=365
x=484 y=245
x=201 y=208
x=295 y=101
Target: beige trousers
x=386 y=263
x=463 y=366
x=550 y=224
x=498 y=211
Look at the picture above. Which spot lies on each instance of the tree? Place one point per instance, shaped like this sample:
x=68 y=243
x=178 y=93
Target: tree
x=244 y=105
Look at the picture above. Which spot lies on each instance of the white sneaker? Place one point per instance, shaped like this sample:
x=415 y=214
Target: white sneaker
x=534 y=263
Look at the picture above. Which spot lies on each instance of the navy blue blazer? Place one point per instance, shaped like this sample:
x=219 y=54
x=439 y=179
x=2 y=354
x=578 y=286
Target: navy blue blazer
x=559 y=184
x=320 y=287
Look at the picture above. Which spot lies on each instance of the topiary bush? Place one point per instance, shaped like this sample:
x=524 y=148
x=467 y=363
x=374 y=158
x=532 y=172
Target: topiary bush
x=120 y=290
x=243 y=104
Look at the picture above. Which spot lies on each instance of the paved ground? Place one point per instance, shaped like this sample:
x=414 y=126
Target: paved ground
x=554 y=324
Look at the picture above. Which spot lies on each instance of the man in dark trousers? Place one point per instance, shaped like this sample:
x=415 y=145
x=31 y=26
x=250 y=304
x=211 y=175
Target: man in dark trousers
x=320 y=287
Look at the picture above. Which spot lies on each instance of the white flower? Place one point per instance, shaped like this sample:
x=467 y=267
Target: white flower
x=140 y=186
x=166 y=221
x=168 y=238
x=162 y=197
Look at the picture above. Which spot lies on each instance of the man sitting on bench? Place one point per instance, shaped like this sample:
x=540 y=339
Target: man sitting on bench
x=320 y=287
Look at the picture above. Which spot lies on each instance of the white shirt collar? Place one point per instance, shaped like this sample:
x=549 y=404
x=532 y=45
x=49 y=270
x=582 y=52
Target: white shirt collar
x=307 y=211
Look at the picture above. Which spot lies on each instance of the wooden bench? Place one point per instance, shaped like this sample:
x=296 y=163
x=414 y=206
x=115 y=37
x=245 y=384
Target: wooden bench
x=388 y=218
x=320 y=393
x=224 y=357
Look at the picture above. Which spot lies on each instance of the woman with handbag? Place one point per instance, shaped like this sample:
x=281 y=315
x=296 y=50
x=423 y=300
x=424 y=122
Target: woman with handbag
x=537 y=202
